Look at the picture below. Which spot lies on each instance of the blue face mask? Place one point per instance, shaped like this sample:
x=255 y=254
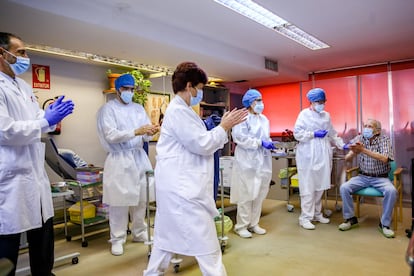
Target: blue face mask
x=197 y=99
x=126 y=96
x=258 y=108
x=319 y=107
x=367 y=132
x=21 y=65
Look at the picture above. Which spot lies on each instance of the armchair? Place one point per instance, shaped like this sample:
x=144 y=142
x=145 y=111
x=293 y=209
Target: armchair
x=395 y=177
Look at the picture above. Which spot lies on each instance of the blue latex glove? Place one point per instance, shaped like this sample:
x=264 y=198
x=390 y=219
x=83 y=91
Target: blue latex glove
x=55 y=112
x=209 y=123
x=268 y=145
x=216 y=119
x=346 y=146
x=320 y=133
x=212 y=121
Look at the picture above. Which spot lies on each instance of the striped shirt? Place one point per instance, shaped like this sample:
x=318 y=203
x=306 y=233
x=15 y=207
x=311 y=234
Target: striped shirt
x=380 y=144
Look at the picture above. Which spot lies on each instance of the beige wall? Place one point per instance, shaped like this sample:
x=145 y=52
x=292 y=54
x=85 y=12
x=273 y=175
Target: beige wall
x=83 y=83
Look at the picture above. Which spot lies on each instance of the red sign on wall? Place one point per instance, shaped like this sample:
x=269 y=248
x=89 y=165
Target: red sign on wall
x=41 y=76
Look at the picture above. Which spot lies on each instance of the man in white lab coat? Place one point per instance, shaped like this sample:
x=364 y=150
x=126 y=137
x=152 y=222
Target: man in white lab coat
x=252 y=166
x=315 y=133
x=184 y=221
x=25 y=193
x=123 y=126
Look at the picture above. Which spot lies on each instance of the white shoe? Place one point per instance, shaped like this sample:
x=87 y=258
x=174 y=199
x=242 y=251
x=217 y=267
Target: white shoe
x=143 y=237
x=348 y=224
x=244 y=233
x=307 y=225
x=257 y=230
x=322 y=219
x=117 y=249
x=386 y=231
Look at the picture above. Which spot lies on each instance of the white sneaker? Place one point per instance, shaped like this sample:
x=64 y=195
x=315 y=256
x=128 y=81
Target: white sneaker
x=348 y=224
x=244 y=233
x=257 y=230
x=307 y=225
x=386 y=231
x=117 y=249
x=322 y=219
x=143 y=237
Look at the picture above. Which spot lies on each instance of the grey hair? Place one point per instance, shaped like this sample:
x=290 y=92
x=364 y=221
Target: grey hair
x=377 y=124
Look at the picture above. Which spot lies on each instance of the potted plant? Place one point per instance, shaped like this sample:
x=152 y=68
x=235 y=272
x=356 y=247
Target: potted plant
x=111 y=78
x=142 y=85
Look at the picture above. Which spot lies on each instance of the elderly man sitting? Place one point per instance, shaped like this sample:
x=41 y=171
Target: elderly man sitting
x=374 y=154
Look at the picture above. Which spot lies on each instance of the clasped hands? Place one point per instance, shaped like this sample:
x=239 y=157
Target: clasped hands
x=357 y=147
x=320 y=133
x=268 y=145
x=147 y=129
x=58 y=110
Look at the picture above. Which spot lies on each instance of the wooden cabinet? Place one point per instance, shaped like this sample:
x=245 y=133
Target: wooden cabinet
x=216 y=100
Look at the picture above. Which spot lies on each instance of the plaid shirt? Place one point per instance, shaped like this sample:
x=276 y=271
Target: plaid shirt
x=380 y=144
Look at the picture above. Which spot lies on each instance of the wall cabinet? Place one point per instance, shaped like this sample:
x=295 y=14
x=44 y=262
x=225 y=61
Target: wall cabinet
x=216 y=100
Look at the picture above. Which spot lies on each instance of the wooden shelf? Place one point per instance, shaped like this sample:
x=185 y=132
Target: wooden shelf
x=213 y=104
x=109 y=91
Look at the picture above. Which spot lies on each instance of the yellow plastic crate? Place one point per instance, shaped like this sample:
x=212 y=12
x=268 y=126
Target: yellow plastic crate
x=89 y=211
x=294 y=181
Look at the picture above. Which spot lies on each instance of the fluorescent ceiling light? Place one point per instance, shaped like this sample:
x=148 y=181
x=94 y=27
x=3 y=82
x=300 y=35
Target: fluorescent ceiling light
x=268 y=19
x=101 y=59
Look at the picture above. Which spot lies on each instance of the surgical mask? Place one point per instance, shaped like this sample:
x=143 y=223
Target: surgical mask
x=126 y=96
x=319 y=107
x=21 y=65
x=258 y=108
x=367 y=133
x=197 y=99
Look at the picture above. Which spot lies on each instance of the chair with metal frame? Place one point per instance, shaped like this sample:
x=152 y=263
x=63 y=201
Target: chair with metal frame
x=395 y=175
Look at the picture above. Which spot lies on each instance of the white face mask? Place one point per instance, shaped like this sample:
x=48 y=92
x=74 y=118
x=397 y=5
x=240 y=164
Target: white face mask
x=126 y=96
x=197 y=99
x=20 y=66
x=319 y=107
x=367 y=132
x=258 y=108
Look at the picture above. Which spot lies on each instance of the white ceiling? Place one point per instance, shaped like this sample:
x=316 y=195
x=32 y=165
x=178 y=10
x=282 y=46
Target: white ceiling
x=222 y=42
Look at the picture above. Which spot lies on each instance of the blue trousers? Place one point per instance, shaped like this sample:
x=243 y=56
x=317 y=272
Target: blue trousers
x=356 y=183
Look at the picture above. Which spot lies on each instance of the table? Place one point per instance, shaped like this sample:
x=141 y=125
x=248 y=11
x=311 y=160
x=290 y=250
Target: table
x=336 y=170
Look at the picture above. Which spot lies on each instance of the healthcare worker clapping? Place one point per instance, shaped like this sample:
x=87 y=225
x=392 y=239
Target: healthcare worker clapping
x=252 y=168
x=184 y=220
x=315 y=133
x=25 y=194
x=123 y=126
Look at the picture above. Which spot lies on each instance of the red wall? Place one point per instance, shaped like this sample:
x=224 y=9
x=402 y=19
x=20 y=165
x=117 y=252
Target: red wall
x=282 y=105
x=354 y=96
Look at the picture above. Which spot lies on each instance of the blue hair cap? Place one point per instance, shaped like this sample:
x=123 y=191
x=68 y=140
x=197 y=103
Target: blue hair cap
x=316 y=94
x=250 y=96
x=126 y=80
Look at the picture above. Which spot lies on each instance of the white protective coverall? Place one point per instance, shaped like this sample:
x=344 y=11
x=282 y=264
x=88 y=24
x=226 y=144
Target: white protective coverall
x=314 y=160
x=25 y=194
x=184 y=220
x=124 y=181
x=252 y=169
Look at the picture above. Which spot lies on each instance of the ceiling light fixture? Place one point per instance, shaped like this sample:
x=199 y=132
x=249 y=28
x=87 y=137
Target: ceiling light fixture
x=100 y=59
x=270 y=20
